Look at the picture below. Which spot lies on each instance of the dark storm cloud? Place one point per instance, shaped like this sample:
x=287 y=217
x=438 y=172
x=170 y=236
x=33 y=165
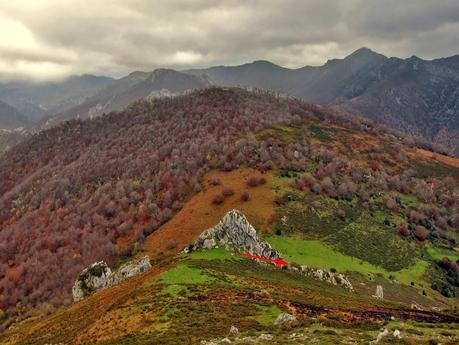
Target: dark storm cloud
x=49 y=39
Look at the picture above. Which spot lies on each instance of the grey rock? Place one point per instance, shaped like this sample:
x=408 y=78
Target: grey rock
x=284 y=318
x=233 y=330
x=91 y=279
x=338 y=279
x=236 y=234
x=266 y=337
x=379 y=292
x=99 y=276
x=130 y=269
x=225 y=341
x=380 y=336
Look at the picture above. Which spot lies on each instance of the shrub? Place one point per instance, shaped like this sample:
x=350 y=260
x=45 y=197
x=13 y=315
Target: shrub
x=341 y=214
x=278 y=200
x=245 y=196
x=170 y=245
x=421 y=233
x=316 y=204
x=404 y=230
x=214 y=181
x=218 y=199
x=227 y=192
x=252 y=181
x=261 y=180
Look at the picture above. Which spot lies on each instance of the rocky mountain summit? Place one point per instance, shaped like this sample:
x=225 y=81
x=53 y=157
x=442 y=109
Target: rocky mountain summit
x=236 y=234
x=99 y=276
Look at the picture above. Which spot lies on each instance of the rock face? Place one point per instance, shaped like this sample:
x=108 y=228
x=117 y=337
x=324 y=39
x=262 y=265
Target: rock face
x=327 y=276
x=379 y=292
x=99 y=276
x=284 y=318
x=236 y=234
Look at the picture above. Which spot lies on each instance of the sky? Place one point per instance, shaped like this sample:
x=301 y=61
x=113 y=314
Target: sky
x=44 y=40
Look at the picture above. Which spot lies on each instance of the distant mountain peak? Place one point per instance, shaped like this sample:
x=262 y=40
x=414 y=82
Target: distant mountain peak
x=138 y=75
x=365 y=53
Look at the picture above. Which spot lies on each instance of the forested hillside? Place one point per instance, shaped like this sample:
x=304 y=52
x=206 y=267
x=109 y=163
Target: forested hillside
x=90 y=190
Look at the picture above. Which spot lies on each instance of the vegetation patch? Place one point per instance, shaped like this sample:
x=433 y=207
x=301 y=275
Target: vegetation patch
x=378 y=246
x=267 y=314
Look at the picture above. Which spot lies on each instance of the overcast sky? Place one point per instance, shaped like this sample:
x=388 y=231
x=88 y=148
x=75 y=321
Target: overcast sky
x=51 y=39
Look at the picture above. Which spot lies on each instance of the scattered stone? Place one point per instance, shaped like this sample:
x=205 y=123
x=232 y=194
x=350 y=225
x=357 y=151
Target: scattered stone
x=295 y=336
x=267 y=337
x=233 y=331
x=225 y=341
x=236 y=234
x=284 y=318
x=380 y=336
x=99 y=276
x=379 y=292
x=328 y=277
x=397 y=334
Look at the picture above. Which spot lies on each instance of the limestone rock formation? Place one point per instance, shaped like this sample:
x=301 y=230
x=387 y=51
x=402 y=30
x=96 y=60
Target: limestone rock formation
x=284 y=318
x=328 y=277
x=99 y=276
x=130 y=269
x=90 y=280
x=236 y=234
x=379 y=292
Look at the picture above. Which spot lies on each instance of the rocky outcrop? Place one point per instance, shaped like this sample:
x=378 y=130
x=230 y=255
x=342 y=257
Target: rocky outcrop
x=379 y=292
x=99 y=276
x=338 y=279
x=285 y=318
x=236 y=234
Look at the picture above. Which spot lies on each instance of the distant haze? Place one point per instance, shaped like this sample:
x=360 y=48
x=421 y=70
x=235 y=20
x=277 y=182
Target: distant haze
x=51 y=39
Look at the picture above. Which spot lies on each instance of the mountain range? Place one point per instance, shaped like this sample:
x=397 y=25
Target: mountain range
x=419 y=97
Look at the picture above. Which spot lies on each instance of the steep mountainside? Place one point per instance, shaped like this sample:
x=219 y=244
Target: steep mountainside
x=120 y=93
x=10 y=117
x=366 y=222
x=414 y=95
x=37 y=100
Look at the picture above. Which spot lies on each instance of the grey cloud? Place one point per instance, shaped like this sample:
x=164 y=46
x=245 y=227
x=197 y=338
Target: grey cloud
x=115 y=37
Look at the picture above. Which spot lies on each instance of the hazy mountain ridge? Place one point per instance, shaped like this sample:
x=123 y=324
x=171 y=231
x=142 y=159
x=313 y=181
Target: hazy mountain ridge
x=36 y=100
x=120 y=93
x=10 y=117
x=415 y=95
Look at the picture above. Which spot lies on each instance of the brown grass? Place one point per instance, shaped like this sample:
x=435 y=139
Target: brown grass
x=200 y=213
x=451 y=161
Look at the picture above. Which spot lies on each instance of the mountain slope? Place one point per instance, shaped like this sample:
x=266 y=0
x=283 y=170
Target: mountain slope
x=414 y=95
x=331 y=192
x=120 y=93
x=10 y=117
x=38 y=100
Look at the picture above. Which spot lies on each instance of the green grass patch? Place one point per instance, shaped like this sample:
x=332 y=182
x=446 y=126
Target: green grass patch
x=315 y=253
x=267 y=314
x=319 y=132
x=409 y=200
x=211 y=254
x=283 y=133
x=175 y=290
x=373 y=243
x=183 y=274
x=440 y=253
